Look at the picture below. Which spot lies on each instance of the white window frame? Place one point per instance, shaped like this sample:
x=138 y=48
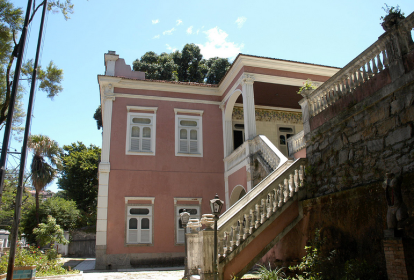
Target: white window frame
x=153 y=126
x=139 y=218
x=178 y=231
x=178 y=117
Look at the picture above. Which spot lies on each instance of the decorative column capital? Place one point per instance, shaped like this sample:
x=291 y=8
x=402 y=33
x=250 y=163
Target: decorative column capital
x=108 y=90
x=247 y=79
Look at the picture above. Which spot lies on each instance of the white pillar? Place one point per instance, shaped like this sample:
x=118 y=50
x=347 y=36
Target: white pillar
x=104 y=167
x=228 y=136
x=248 y=106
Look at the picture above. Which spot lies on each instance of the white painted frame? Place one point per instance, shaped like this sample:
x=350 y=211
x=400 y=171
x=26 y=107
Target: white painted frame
x=177 y=208
x=139 y=217
x=153 y=118
x=199 y=120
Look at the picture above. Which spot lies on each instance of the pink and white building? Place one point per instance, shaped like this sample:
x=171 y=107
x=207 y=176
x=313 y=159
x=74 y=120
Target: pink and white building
x=173 y=145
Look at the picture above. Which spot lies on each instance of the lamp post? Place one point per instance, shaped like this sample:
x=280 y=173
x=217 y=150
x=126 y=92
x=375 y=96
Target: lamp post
x=216 y=205
x=185 y=217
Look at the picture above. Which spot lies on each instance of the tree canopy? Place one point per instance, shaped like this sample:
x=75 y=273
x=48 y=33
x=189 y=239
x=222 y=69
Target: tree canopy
x=79 y=177
x=11 y=21
x=187 y=65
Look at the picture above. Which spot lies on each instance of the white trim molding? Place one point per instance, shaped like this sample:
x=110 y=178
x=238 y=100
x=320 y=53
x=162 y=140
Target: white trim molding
x=178 y=111
x=140 y=140
x=198 y=128
x=141 y=108
x=127 y=198
x=198 y=199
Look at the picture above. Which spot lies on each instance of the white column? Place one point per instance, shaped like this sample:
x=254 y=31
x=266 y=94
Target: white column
x=228 y=137
x=248 y=106
x=104 y=167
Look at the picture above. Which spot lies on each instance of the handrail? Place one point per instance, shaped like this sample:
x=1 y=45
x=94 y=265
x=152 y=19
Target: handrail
x=296 y=143
x=261 y=144
x=374 y=60
x=253 y=209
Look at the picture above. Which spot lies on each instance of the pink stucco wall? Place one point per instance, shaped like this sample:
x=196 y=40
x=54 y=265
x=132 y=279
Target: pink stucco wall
x=163 y=176
x=238 y=178
x=300 y=154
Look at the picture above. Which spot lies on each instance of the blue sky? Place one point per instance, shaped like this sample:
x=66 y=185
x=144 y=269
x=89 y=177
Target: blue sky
x=322 y=32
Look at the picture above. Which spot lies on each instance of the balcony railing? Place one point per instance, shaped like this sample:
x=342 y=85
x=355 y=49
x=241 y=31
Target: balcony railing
x=364 y=67
x=296 y=143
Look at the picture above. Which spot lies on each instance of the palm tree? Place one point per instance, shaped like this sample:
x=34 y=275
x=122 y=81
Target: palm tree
x=44 y=164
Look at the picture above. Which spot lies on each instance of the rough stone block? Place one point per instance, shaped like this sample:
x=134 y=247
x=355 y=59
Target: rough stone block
x=324 y=144
x=354 y=138
x=396 y=106
x=384 y=127
x=375 y=145
x=398 y=135
x=337 y=144
x=343 y=156
x=407 y=115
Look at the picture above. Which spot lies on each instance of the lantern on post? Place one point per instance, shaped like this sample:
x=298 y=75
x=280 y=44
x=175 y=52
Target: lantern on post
x=185 y=217
x=216 y=205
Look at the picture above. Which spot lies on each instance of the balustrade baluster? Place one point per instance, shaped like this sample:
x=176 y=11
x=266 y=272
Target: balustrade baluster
x=360 y=78
x=227 y=242
x=280 y=195
x=233 y=241
x=339 y=90
x=285 y=190
x=296 y=179
x=380 y=66
x=369 y=69
x=239 y=233
x=269 y=205
x=251 y=221
x=374 y=66
x=275 y=201
x=291 y=188
x=385 y=58
x=257 y=216
x=301 y=175
x=246 y=226
x=351 y=82
x=348 y=89
x=365 y=73
x=356 y=82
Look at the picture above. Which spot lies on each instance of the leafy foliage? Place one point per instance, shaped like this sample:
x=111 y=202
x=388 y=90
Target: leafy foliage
x=269 y=274
x=98 y=117
x=64 y=211
x=50 y=233
x=307 y=85
x=79 y=178
x=185 y=66
x=392 y=11
x=33 y=256
x=9 y=200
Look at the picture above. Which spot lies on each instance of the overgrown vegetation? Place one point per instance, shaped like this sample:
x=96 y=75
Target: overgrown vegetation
x=307 y=85
x=33 y=256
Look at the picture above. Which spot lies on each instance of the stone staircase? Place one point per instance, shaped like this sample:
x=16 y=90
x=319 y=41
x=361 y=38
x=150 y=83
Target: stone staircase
x=254 y=224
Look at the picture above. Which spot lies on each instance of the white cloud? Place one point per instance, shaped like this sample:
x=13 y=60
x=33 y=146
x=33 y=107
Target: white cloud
x=217 y=45
x=179 y=21
x=156 y=37
x=190 y=30
x=198 y=31
x=170 y=48
x=168 y=32
x=240 y=21
x=155 y=21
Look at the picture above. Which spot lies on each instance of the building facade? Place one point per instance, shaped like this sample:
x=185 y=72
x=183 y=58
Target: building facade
x=169 y=146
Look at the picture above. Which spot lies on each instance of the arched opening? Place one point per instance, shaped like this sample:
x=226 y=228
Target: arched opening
x=237 y=193
x=234 y=129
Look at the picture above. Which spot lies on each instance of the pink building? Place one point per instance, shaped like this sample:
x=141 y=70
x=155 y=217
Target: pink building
x=173 y=145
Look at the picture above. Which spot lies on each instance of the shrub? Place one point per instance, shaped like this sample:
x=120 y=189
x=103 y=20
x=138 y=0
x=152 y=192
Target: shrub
x=269 y=274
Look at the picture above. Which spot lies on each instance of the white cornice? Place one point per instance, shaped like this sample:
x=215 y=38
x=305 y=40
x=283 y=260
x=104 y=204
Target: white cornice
x=162 y=98
x=152 y=199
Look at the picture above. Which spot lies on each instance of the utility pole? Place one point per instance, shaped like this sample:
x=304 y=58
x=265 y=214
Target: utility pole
x=20 y=186
x=15 y=86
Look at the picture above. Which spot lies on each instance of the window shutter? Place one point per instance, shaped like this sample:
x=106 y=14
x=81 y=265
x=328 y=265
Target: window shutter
x=180 y=237
x=183 y=146
x=146 y=144
x=134 y=144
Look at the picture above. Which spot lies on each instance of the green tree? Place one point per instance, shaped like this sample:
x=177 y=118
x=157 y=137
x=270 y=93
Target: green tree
x=79 y=178
x=64 y=211
x=156 y=67
x=9 y=200
x=190 y=68
x=11 y=21
x=217 y=69
x=98 y=117
x=44 y=163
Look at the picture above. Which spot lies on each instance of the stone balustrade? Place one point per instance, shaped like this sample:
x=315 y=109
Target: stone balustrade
x=260 y=144
x=364 y=67
x=296 y=143
x=251 y=211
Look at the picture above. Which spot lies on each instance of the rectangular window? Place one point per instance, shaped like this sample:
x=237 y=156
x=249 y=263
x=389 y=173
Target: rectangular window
x=139 y=224
x=188 y=133
x=141 y=134
x=194 y=211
